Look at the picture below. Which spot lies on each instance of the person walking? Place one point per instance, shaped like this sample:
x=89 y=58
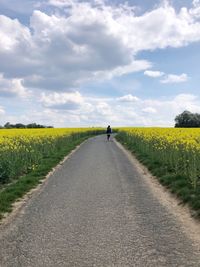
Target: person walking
x=108 y=131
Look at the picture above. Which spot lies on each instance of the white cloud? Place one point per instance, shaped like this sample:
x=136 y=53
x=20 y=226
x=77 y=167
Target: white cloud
x=187 y=102
x=149 y=110
x=129 y=110
x=12 y=35
x=61 y=3
x=88 y=41
x=196 y=3
x=172 y=78
x=93 y=111
x=104 y=109
x=2 y=111
x=12 y=88
x=67 y=101
x=153 y=74
x=135 y=66
x=196 y=10
x=168 y=78
x=127 y=98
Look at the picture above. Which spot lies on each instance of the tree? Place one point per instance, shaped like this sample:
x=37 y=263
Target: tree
x=33 y=125
x=187 y=119
x=8 y=125
x=20 y=125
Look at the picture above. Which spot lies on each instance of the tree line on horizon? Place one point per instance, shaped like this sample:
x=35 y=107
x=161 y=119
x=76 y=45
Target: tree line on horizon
x=33 y=125
x=187 y=119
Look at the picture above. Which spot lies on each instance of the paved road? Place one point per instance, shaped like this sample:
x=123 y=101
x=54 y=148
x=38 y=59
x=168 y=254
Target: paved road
x=96 y=210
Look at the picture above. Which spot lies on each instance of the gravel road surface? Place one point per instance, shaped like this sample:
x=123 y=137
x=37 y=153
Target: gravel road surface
x=96 y=210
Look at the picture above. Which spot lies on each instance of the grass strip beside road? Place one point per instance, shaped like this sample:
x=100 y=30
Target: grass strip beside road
x=178 y=184
x=10 y=193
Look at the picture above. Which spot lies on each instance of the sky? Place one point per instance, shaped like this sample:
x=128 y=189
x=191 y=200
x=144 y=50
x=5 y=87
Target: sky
x=75 y=63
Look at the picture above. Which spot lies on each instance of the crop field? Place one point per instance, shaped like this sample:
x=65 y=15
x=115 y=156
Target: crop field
x=21 y=150
x=172 y=154
x=27 y=156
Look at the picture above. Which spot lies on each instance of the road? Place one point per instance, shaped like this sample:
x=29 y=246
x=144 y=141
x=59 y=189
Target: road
x=96 y=210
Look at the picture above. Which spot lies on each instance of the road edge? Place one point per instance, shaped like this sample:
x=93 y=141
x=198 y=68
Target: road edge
x=190 y=225
x=20 y=204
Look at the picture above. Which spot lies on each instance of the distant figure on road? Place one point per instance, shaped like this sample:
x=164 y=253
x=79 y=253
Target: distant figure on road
x=108 y=131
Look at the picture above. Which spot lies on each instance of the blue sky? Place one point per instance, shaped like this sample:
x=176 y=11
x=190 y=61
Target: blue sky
x=87 y=63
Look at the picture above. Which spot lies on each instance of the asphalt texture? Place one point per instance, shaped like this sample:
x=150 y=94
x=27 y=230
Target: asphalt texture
x=96 y=210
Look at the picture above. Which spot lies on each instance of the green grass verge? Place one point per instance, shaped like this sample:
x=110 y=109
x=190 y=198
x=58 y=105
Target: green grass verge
x=16 y=190
x=177 y=184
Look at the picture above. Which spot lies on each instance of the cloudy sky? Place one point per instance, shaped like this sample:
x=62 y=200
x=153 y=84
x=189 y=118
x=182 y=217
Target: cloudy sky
x=87 y=63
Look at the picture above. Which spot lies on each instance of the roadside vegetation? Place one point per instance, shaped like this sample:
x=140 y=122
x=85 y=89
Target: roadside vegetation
x=172 y=155
x=27 y=155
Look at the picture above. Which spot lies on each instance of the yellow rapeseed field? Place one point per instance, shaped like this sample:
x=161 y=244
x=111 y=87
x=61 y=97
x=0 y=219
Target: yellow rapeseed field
x=22 y=149
x=176 y=148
